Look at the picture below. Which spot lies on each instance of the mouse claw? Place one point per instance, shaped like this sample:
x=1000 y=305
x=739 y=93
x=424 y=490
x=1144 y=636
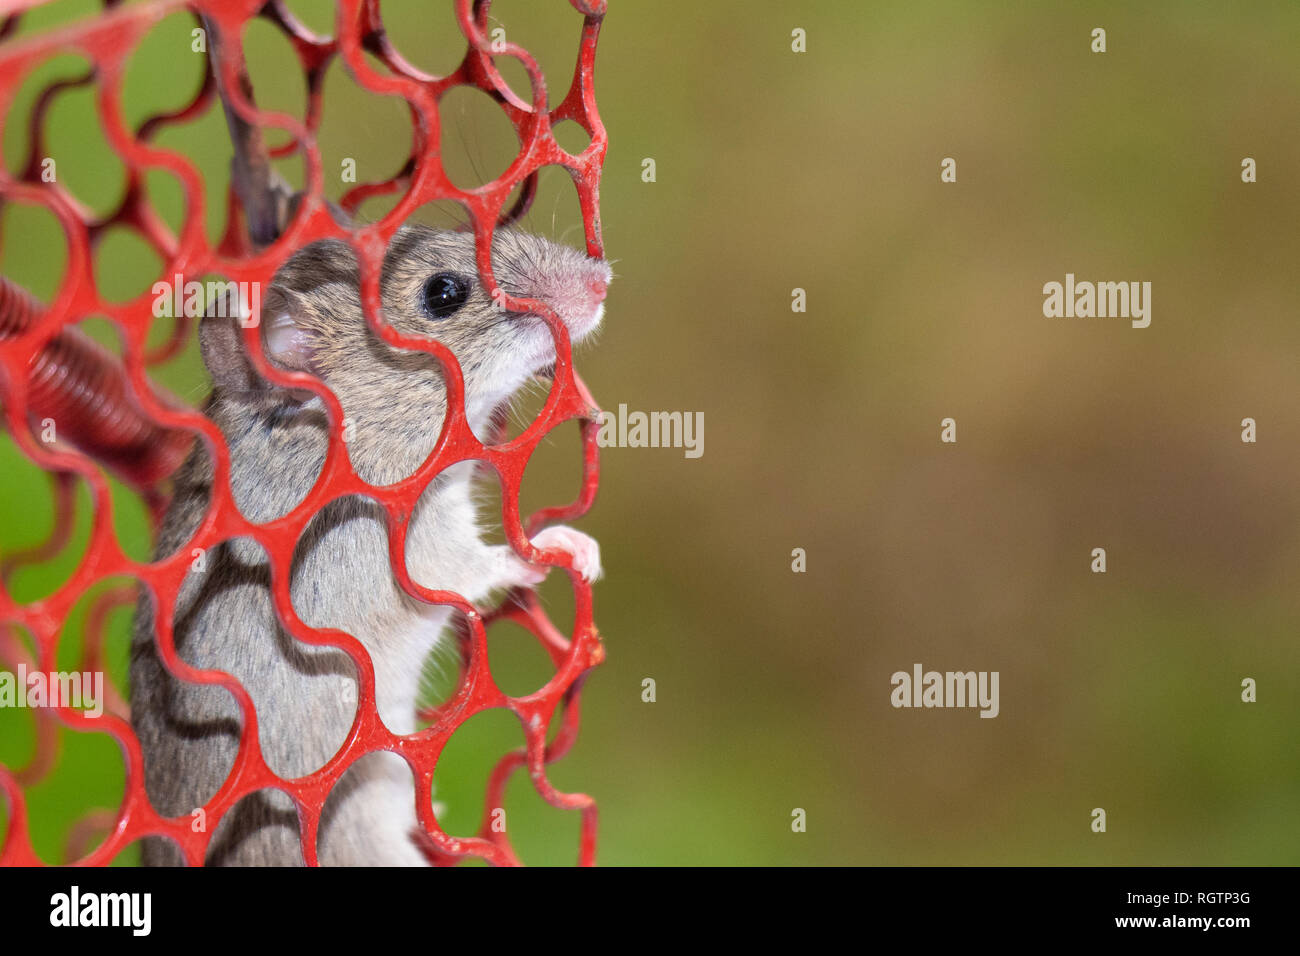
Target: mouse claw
x=584 y=549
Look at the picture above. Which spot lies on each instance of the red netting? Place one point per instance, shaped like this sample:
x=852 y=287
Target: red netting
x=108 y=413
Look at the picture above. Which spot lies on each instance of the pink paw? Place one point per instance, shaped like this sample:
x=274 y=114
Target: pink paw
x=583 y=547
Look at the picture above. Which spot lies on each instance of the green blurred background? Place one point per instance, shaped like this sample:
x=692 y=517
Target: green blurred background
x=820 y=170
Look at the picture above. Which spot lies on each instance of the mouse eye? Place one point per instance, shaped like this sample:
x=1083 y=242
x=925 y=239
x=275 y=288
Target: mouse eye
x=444 y=294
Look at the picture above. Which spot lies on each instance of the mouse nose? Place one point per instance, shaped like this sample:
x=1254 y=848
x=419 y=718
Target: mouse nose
x=582 y=306
x=590 y=285
x=572 y=284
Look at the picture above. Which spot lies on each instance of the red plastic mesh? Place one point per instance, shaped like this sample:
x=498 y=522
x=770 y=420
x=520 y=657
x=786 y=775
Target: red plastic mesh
x=109 y=413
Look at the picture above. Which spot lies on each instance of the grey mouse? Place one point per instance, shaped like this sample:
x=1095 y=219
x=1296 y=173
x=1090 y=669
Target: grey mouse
x=394 y=401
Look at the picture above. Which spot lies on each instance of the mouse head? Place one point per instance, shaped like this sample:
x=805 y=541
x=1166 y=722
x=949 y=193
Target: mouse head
x=429 y=287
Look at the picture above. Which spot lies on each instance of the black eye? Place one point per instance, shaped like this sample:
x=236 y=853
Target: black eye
x=444 y=294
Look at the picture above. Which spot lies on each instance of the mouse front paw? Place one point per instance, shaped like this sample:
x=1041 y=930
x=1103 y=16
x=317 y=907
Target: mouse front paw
x=583 y=547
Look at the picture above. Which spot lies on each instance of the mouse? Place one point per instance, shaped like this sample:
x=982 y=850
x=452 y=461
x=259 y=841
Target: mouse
x=394 y=401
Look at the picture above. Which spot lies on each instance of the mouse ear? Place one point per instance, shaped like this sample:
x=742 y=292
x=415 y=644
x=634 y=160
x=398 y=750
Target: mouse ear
x=285 y=343
x=222 y=348
x=284 y=336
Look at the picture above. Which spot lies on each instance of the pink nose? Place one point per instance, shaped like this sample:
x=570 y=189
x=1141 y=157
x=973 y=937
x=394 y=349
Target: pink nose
x=597 y=287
